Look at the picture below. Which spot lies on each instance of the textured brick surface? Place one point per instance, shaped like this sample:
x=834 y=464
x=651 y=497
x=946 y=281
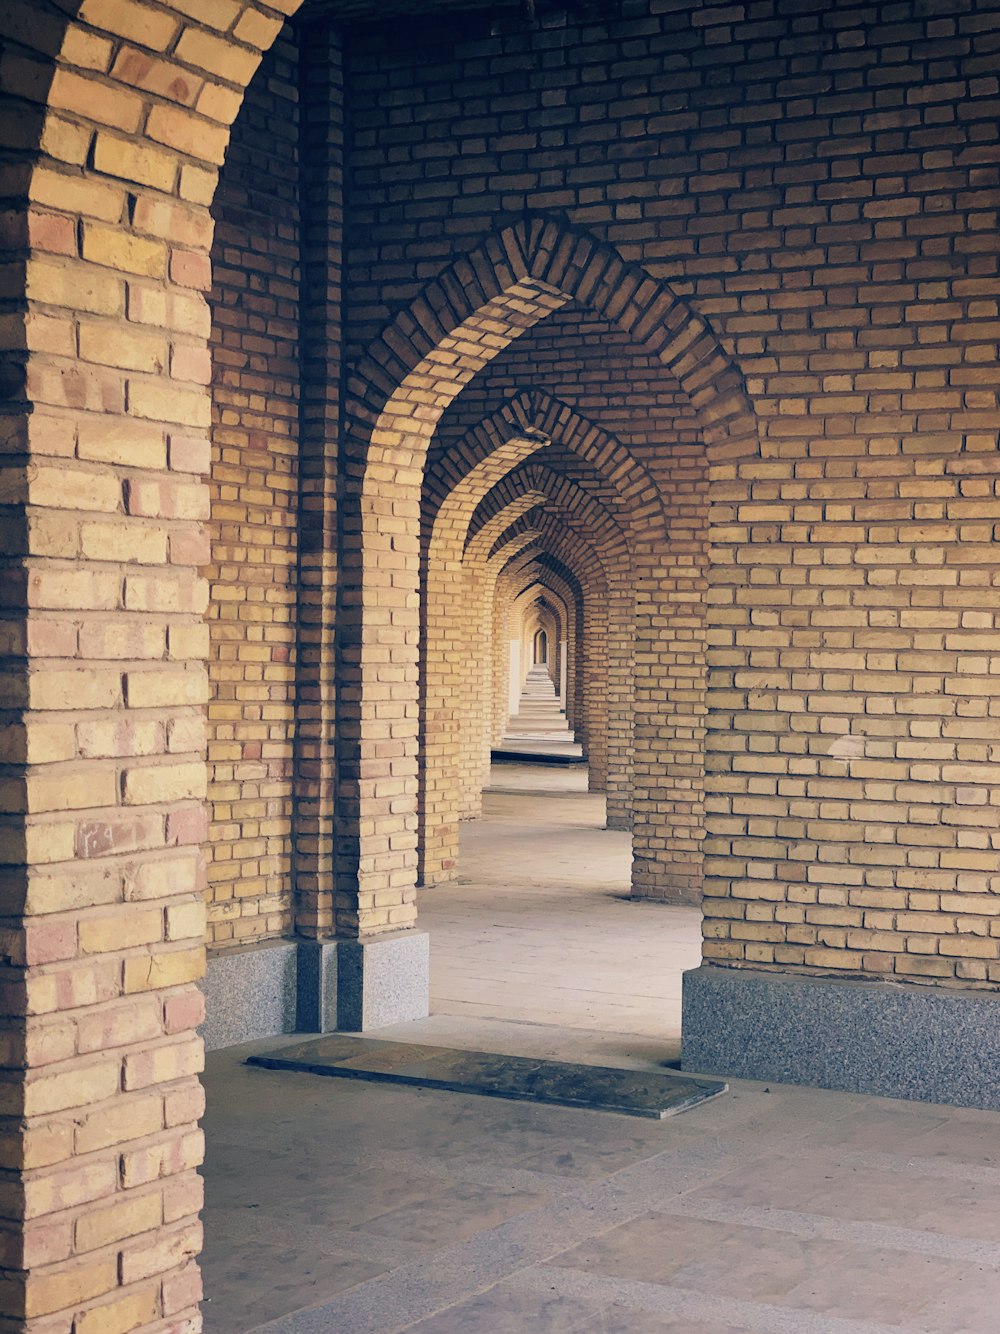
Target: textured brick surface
x=253 y=571
x=738 y=264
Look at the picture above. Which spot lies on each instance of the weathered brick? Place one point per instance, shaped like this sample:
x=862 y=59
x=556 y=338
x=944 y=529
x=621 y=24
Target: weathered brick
x=163 y=783
x=131 y=1311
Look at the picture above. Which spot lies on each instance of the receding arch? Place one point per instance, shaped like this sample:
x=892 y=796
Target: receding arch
x=526 y=574
x=568 y=509
x=586 y=568
x=481 y=465
x=455 y=693
x=525 y=270
x=532 y=415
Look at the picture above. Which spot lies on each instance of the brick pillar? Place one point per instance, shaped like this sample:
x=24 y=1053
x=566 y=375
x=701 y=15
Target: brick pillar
x=104 y=776
x=479 y=688
x=104 y=885
x=322 y=157
x=620 y=652
x=499 y=631
x=477 y=655
x=445 y=663
x=670 y=689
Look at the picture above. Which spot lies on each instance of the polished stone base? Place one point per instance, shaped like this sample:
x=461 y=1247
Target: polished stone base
x=250 y=993
x=598 y=1088
x=897 y=1040
x=383 y=980
x=311 y=986
x=317 y=986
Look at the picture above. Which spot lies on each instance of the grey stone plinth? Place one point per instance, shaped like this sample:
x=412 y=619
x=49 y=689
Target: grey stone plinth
x=897 y=1040
x=382 y=980
x=317 y=986
x=250 y=993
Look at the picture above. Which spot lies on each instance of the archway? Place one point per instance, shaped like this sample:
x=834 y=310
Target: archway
x=501 y=457
x=433 y=351
x=117 y=232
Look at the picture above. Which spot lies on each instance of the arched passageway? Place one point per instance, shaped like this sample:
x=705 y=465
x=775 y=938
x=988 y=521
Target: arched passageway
x=136 y=104
x=797 y=712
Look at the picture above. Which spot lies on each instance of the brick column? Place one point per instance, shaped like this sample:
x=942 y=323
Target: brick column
x=104 y=776
x=104 y=885
x=322 y=158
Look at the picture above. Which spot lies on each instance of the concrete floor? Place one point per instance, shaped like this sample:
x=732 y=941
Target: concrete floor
x=337 y=1207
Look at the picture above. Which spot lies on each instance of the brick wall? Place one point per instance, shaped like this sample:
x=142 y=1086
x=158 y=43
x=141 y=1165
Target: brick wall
x=253 y=522
x=118 y=130
x=820 y=187
x=823 y=187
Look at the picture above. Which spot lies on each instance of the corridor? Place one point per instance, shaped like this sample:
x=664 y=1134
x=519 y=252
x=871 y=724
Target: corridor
x=539 y=929
x=391 y=388
x=335 y=1207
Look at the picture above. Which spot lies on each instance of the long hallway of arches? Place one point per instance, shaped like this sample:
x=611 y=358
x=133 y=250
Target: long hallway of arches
x=775 y=1210
x=539 y=929
x=388 y=386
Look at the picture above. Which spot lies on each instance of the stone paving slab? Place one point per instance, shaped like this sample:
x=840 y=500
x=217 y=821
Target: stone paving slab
x=599 y=1088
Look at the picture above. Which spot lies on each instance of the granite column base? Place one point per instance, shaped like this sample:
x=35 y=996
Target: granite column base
x=382 y=980
x=316 y=986
x=896 y=1040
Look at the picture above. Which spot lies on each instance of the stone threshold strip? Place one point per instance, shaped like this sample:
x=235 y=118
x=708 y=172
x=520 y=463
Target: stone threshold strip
x=594 y=1087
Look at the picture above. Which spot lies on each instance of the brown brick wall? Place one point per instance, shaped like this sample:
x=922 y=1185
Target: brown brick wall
x=253 y=523
x=106 y=182
x=824 y=188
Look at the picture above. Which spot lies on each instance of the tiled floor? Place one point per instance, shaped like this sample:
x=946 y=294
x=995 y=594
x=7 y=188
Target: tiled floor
x=538 y=926
x=365 y=1208
x=344 y=1208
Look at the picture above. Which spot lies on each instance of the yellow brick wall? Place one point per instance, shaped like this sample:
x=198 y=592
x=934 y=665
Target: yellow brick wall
x=252 y=574
x=114 y=127
x=824 y=196
x=813 y=201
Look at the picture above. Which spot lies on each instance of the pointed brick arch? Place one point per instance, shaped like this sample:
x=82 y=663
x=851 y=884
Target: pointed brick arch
x=546 y=597
x=483 y=542
x=534 y=568
x=469 y=470
x=565 y=496
x=602 y=602
x=397 y=394
x=575 y=511
x=520 y=273
x=532 y=415
x=564 y=493
x=456 y=610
